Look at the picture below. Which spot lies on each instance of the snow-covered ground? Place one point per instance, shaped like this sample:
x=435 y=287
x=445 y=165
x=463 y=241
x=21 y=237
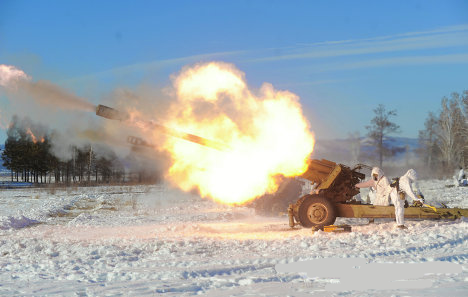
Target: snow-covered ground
x=147 y=241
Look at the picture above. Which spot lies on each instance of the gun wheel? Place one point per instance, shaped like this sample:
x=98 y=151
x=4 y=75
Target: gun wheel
x=316 y=210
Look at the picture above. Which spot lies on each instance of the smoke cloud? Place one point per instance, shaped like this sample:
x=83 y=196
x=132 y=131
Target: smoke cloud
x=45 y=103
x=9 y=76
x=263 y=130
x=70 y=120
x=19 y=84
x=48 y=94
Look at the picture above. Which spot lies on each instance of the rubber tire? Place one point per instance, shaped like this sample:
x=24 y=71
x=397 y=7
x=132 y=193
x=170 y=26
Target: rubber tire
x=324 y=203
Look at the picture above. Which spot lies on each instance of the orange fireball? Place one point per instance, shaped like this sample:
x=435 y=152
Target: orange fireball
x=265 y=134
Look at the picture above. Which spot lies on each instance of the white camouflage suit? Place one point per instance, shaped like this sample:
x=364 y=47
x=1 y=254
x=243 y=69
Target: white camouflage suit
x=381 y=186
x=405 y=183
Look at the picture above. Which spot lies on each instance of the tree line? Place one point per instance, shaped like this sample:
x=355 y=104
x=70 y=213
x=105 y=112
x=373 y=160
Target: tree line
x=443 y=144
x=29 y=157
x=444 y=141
x=28 y=154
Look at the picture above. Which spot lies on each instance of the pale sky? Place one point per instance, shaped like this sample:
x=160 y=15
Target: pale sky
x=342 y=58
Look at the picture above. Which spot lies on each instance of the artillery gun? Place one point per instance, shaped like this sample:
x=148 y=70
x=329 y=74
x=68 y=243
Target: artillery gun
x=332 y=197
x=333 y=184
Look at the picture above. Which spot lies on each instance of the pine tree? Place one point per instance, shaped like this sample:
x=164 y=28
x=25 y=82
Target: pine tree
x=380 y=128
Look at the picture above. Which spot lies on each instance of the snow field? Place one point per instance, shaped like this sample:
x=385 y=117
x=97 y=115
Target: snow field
x=140 y=241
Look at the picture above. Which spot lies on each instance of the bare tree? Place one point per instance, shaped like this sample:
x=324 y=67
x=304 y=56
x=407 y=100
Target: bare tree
x=380 y=127
x=464 y=100
x=452 y=132
x=429 y=150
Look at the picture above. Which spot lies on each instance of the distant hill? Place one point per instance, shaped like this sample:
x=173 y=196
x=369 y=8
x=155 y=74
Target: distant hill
x=340 y=150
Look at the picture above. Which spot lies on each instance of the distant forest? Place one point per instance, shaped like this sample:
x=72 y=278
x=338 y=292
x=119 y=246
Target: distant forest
x=30 y=158
x=443 y=148
x=444 y=140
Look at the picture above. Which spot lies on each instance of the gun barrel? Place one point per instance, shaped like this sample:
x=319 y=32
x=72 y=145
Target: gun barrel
x=111 y=113
x=114 y=114
x=196 y=139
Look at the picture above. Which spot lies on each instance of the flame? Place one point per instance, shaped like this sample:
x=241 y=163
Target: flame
x=33 y=137
x=266 y=134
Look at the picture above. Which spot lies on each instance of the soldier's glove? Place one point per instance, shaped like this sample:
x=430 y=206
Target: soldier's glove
x=417 y=203
x=406 y=204
x=421 y=196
